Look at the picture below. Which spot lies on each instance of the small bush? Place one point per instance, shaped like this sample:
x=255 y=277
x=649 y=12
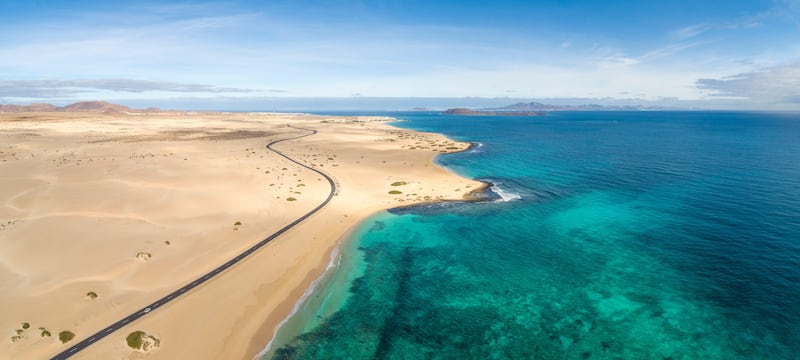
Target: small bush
x=395 y=192
x=65 y=336
x=399 y=183
x=134 y=339
x=26 y=325
x=237 y=223
x=45 y=333
x=291 y=199
x=139 y=340
x=91 y=295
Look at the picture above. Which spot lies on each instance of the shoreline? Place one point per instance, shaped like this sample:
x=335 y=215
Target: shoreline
x=177 y=217
x=477 y=194
x=333 y=265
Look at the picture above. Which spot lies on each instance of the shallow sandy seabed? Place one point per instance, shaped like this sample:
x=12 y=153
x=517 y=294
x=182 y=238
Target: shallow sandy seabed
x=131 y=207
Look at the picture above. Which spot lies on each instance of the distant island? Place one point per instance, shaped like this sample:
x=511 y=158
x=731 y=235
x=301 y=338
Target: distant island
x=470 y=112
x=539 y=109
x=536 y=106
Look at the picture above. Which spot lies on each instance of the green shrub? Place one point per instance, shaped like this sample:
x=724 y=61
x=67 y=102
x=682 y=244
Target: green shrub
x=395 y=192
x=399 y=183
x=45 y=333
x=65 y=336
x=91 y=295
x=134 y=339
x=26 y=325
x=291 y=199
x=237 y=223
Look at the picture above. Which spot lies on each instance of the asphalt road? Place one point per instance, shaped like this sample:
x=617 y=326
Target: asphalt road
x=211 y=274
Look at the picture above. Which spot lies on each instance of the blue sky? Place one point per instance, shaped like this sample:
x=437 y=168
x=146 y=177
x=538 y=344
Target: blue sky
x=717 y=54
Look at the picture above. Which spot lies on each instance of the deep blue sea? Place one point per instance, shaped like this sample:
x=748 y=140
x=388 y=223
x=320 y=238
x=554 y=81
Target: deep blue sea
x=626 y=235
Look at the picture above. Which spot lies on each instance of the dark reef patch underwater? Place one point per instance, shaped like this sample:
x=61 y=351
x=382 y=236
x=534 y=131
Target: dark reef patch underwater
x=636 y=235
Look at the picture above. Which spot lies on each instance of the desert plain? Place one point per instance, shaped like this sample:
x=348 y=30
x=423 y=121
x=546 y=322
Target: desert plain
x=102 y=213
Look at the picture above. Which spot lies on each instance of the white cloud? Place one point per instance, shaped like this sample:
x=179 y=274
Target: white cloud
x=59 y=89
x=779 y=85
x=690 y=31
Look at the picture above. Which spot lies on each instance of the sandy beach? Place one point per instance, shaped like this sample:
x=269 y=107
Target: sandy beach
x=104 y=213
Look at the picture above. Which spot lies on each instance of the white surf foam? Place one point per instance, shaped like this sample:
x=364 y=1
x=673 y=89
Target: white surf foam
x=334 y=263
x=504 y=195
x=476 y=147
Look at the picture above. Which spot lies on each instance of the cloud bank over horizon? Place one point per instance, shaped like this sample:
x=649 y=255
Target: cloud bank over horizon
x=778 y=85
x=714 y=54
x=58 y=89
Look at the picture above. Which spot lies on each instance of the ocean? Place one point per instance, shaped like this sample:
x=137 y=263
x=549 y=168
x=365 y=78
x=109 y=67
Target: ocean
x=611 y=235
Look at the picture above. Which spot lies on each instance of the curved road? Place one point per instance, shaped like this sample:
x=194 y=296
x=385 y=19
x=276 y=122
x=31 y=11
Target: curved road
x=208 y=276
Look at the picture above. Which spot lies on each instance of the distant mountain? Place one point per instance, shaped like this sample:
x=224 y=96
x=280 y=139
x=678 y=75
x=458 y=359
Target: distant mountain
x=83 y=106
x=95 y=106
x=488 y=112
x=535 y=106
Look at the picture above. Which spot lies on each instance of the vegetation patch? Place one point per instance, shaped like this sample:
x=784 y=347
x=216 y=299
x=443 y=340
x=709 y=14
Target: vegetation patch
x=291 y=199
x=26 y=325
x=238 y=223
x=91 y=295
x=134 y=339
x=65 y=336
x=395 y=192
x=399 y=183
x=139 y=340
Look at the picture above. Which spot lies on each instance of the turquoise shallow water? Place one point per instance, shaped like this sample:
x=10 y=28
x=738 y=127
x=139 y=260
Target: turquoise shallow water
x=663 y=235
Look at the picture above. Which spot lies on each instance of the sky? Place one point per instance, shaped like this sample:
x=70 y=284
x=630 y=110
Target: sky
x=260 y=54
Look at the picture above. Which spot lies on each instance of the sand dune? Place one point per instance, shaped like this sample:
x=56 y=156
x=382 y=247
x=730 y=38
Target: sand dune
x=131 y=207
